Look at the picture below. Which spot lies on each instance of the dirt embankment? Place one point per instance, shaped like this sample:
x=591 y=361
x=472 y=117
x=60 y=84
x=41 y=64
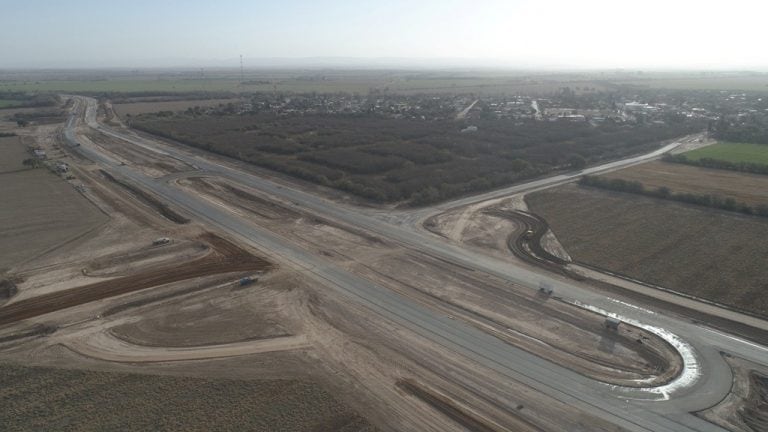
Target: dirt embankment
x=149 y=200
x=452 y=410
x=225 y=257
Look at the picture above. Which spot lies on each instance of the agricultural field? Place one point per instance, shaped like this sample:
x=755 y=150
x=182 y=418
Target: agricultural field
x=363 y=82
x=8 y=103
x=752 y=82
x=732 y=152
x=39 y=210
x=193 y=85
x=76 y=400
x=302 y=81
x=13 y=152
x=121 y=85
x=392 y=160
x=751 y=189
x=711 y=254
x=137 y=108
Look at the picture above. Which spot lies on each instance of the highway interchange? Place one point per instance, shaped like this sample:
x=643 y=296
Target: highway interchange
x=704 y=382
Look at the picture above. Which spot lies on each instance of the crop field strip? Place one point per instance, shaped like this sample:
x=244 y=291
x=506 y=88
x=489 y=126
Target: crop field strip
x=748 y=188
x=732 y=152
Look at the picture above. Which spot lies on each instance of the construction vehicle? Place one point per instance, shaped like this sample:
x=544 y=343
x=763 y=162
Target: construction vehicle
x=161 y=241
x=248 y=280
x=612 y=323
x=545 y=288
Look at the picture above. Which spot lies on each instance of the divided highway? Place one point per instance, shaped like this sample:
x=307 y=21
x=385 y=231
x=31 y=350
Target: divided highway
x=705 y=382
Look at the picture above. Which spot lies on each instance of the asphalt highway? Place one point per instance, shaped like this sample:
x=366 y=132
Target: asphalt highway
x=704 y=382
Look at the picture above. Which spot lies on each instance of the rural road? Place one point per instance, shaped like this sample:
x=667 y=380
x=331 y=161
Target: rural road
x=705 y=381
x=463 y=114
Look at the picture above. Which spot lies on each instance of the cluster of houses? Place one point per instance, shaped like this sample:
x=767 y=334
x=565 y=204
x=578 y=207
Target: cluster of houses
x=594 y=108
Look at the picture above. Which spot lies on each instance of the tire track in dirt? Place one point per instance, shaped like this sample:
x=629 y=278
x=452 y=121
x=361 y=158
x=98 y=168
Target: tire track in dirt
x=105 y=346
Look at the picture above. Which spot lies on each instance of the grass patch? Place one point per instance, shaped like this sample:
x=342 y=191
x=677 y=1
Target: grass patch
x=732 y=152
x=9 y=103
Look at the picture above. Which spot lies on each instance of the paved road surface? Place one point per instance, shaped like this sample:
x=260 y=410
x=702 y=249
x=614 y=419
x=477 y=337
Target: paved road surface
x=707 y=377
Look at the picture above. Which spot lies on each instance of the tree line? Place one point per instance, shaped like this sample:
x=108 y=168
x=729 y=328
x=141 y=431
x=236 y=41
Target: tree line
x=703 y=199
x=753 y=130
x=387 y=160
x=747 y=167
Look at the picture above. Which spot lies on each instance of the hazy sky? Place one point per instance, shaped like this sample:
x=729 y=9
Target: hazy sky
x=516 y=33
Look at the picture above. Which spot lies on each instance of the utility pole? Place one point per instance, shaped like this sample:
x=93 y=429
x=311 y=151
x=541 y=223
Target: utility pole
x=242 y=75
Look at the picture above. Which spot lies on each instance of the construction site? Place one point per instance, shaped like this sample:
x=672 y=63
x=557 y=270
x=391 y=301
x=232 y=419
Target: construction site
x=283 y=306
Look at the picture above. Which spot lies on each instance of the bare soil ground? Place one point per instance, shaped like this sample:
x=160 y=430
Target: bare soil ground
x=225 y=258
x=14 y=152
x=40 y=211
x=710 y=254
x=75 y=400
x=244 y=314
x=141 y=158
x=751 y=189
x=136 y=108
x=745 y=409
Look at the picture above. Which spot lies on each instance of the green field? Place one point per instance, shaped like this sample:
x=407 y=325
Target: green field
x=732 y=152
x=122 y=85
x=9 y=103
x=187 y=86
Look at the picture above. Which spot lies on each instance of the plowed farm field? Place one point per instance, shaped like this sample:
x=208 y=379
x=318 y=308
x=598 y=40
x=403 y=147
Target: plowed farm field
x=39 y=210
x=711 y=254
x=750 y=189
x=75 y=400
